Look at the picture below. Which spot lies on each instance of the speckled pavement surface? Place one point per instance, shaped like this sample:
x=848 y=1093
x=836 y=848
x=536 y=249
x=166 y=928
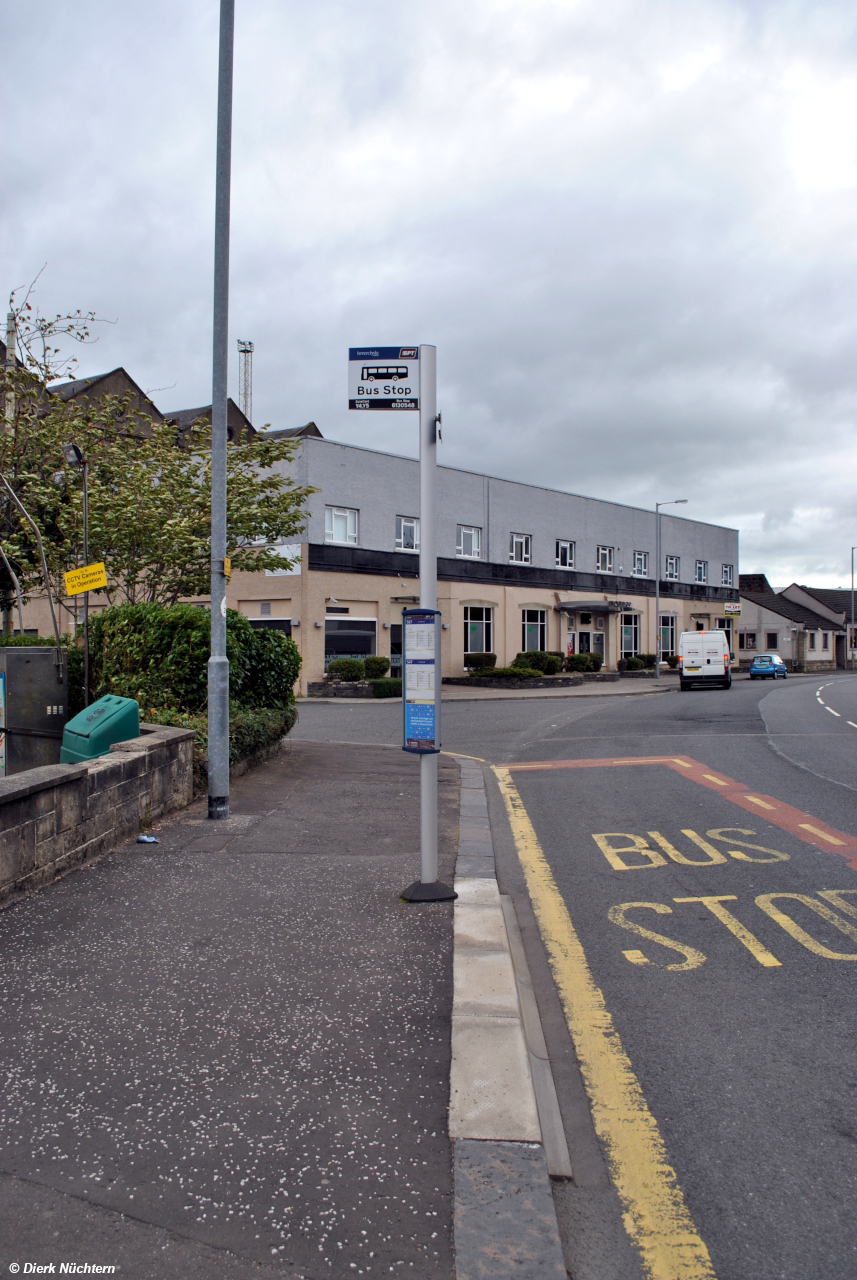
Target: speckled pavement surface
x=228 y=1055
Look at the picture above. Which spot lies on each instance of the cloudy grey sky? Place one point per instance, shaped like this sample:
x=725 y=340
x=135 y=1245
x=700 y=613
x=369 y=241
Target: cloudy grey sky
x=630 y=227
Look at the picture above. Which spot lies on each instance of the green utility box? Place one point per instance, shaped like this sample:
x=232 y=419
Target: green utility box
x=94 y=730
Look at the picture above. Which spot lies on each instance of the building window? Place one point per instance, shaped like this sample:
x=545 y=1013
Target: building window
x=265 y=609
x=604 y=559
x=564 y=554
x=520 y=548
x=533 y=630
x=340 y=525
x=640 y=567
x=667 y=633
x=747 y=640
x=407 y=533
x=772 y=639
x=811 y=635
x=671 y=570
x=825 y=640
x=468 y=543
x=477 y=629
x=701 y=571
x=349 y=638
x=852 y=629
x=727 y=575
x=630 y=634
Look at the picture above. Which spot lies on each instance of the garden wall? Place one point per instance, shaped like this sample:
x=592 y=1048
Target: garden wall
x=63 y=814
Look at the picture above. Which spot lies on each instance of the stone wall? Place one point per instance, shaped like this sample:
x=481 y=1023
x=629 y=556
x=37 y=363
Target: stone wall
x=63 y=814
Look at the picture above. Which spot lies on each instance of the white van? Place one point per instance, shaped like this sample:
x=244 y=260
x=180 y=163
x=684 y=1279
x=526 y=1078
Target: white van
x=704 y=659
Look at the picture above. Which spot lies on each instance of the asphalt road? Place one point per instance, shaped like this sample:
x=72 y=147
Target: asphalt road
x=719 y=1117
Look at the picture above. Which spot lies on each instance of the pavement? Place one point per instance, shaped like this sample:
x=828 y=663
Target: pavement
x=228 y=1054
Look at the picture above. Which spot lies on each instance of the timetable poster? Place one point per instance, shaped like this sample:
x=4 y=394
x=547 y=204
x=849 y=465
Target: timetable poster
x=421 y=680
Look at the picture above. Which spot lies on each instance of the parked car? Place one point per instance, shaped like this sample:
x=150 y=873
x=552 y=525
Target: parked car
x=768 y=665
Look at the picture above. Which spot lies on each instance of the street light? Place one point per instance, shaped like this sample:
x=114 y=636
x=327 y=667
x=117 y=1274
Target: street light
x=674 y=502
x=78 y=462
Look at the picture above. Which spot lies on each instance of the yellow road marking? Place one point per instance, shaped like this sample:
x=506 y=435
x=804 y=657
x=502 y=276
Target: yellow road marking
x=463 y=756
x=766 y=902
x=816 y=831
x=752 y=943
x=656 y=1216
x=763 y=804
x=719 y=781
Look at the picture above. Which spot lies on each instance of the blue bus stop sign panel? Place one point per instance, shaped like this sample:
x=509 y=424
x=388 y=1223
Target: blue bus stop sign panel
x=421 y=680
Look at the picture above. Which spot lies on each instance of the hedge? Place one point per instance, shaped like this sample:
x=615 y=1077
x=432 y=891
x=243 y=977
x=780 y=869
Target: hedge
x=508 y=673
x=376 y=666
x=346 y=669
x=387 y=687
x=550 y=664
x=478 y=661
x=252 y=733
x=159 y=656
x=584 y=662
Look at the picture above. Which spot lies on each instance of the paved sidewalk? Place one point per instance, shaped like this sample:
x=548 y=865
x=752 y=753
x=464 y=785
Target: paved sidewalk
x=228 y=1054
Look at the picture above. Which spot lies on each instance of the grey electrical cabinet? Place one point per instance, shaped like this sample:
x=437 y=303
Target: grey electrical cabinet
x=33 y=707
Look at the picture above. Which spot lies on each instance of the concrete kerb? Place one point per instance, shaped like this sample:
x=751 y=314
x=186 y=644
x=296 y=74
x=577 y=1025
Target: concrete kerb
x=504 y=1120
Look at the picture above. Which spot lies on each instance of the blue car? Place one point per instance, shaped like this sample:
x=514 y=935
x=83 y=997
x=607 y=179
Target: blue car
x=768 y=665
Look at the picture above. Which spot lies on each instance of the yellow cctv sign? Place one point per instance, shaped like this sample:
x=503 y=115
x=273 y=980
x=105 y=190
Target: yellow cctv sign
x=89 y=578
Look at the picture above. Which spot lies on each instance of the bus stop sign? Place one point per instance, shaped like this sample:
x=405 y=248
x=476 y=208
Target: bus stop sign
x=383 y=378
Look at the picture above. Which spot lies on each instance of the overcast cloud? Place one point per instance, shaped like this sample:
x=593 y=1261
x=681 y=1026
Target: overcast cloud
x=630 y=228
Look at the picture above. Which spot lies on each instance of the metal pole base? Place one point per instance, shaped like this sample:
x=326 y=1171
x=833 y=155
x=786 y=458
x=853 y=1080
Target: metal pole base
x=218 y=806
x=435 y=892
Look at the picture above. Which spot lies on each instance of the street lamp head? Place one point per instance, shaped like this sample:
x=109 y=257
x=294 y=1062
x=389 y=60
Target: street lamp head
x=680 y=502
x=72 y=455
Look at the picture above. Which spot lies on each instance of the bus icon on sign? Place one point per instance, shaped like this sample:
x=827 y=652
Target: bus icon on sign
x=386 y=373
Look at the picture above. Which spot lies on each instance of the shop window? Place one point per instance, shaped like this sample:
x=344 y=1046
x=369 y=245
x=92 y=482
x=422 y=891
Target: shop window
x=630 y=635
x=667 y=633
x=478 y=629
x=533 y=630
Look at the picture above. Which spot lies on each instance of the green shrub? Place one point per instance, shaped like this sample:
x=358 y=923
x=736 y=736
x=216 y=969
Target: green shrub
x=672 y=661
x=553 y=664
x=538 y=660
x=634 y=664
x=597 y=661
x=252 y=732
x=159 y=656
x=387 y=688
x=479 y=661
x=648 y=660
x=508 y=673
x=376 y=666
x=346 y=669
x=579 y=662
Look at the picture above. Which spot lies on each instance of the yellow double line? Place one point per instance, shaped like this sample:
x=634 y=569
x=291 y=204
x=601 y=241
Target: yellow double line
x=656 y=1216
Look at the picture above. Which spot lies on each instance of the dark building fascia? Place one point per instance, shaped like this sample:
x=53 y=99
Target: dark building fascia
x=399 y=564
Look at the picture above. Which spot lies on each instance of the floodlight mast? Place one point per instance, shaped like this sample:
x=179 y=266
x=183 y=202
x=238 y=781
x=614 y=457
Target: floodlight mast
x=218 y=663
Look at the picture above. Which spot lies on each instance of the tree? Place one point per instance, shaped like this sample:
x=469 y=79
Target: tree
x=149 y=499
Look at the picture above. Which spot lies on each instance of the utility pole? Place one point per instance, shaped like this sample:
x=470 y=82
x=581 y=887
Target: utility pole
x=11 y=343
x=218 y=663
x=675 y=502
x=851 y=636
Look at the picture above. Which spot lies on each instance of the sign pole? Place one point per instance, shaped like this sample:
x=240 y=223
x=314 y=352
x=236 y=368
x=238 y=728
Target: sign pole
x=218 y=663
x=428 y=888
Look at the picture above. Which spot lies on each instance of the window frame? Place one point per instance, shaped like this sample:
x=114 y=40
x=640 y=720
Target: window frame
x=526 y=544
x=333 y=511
x=487 y=624
x=700 y=573
x=668 y=624
x=471 y=529
x=634 y=626
x=640 y=564
x=672 y=568
x=776 y=645
x=541 y=622
x=414 y=521
x=608 y=556
x=569 y=548
x=727 y=575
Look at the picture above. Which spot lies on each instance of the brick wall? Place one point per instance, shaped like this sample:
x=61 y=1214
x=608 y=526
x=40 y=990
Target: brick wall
x=63 y=814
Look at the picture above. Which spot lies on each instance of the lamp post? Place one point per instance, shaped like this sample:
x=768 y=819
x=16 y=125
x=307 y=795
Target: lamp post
x=78 y=462
x=674 y=502
x=851 y=636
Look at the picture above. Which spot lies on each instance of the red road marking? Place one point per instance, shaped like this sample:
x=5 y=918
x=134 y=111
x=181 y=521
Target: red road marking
x=803 y=825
